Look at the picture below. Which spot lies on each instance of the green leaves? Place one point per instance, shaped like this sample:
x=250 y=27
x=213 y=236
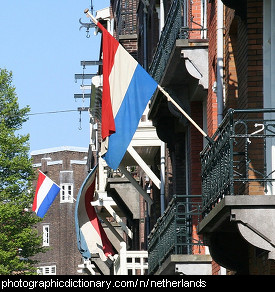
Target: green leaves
x=10 y=114
x=19 y=240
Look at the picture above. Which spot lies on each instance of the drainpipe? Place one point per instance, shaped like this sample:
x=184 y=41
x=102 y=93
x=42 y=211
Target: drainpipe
x=162 y=177
x=187 y=180
x=220 y=60
x=145 y=37
x=161 y=16
x=162 y=145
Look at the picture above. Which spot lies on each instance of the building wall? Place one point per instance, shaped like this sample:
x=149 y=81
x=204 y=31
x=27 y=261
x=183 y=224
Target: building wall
x=258 y=262
x=62 y=165
x=152 y=30
x=125 y=26
x=244 y=71
x=255 y=53
x=243 y=81
x=244 y=57
x=196 y=142
x=212 y=112
x=230 y=73
x=212 y=107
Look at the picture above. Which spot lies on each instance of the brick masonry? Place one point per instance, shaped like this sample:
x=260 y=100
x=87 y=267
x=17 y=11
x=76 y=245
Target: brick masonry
x=62 y=250
x=243 y=81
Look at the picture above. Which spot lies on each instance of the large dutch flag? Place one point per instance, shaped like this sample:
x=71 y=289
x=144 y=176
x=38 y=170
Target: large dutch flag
x=46 y=192
x=127 y=89
x=91 y=237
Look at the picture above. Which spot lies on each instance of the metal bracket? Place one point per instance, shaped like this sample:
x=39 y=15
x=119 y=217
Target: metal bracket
x=87 y=26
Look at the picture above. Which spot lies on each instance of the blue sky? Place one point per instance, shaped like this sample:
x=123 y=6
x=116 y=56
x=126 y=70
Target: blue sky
x=42 y=45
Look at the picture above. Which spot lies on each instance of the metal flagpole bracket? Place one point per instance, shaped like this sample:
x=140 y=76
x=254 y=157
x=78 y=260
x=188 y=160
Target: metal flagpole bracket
x=88 y=14
x=87 y=26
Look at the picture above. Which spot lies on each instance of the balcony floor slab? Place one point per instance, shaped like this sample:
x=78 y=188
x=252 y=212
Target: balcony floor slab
x=196 y=264
x=236 y=223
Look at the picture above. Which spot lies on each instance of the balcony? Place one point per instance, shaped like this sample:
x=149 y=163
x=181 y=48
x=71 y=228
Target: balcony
x=238 y=162
x=180 y=61
x=237 y=171
x=179 y=25
x=173 y=241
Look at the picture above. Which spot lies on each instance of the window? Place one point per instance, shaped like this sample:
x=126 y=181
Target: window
x=66 y=193
x=46 y=235
x=46 y=270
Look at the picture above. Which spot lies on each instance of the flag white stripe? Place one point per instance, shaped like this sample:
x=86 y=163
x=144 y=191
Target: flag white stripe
x=124 y=65
x=92 y=238
x=43 y=191
x=93 y=241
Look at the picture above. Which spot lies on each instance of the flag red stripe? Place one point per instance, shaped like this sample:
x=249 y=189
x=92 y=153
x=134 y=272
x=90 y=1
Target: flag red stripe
x=40 y=180
x=89 y=197
x=109 y=48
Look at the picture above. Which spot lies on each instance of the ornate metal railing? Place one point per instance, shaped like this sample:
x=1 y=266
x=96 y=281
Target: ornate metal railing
x=178 y=25
x=174 y=231
x=238 y=162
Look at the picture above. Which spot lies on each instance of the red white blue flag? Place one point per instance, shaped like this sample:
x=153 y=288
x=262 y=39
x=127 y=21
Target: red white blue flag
x=127 y=89
x=91 y=237
x=46 y=192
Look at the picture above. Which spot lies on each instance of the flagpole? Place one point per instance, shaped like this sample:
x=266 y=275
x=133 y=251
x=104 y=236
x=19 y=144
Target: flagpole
x=170 y=99
x=89 y=14
x=48 y=177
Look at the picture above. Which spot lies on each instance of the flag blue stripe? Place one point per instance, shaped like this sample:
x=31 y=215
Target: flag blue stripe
x=45 y=205
x=140 y=91
x=80 y=238
x=82 y=245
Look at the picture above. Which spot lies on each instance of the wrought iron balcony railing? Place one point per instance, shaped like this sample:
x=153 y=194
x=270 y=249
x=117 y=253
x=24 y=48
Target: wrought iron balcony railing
x=178 y=25
x=174 y=231
x=239 y=162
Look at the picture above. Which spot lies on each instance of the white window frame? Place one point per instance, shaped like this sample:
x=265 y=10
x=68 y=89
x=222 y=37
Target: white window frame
x=46 y=270
x=66 y=193
x=204 y=19
x=46 y=234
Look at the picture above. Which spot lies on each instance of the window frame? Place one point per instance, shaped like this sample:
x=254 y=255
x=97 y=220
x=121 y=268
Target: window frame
x=46 y=235
x=46 y=270
x=66 y=193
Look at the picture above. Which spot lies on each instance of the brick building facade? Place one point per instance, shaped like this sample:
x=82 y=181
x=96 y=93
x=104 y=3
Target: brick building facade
x=157 y=24
x=243 y=72
x=66 y=166
x=210 y=56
